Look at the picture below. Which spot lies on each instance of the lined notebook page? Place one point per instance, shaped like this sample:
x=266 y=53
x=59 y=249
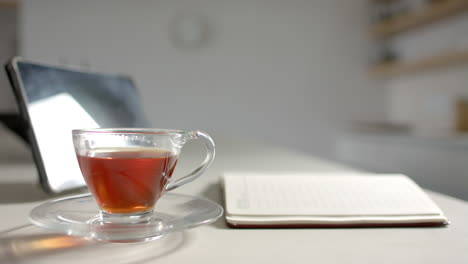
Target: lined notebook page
x=325 y=195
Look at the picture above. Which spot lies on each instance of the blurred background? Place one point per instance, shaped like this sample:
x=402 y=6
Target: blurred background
x=381 y=85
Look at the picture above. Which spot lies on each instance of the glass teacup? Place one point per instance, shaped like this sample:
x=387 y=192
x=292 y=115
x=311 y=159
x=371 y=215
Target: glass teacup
x=128 y=169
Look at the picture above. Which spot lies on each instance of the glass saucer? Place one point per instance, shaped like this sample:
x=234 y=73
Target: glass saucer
x=79 y=216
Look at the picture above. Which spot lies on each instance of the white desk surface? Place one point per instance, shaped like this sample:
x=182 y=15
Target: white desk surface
x=215 y=243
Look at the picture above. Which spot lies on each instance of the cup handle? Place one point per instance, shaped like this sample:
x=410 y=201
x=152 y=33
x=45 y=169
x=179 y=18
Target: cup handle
x=210 y=154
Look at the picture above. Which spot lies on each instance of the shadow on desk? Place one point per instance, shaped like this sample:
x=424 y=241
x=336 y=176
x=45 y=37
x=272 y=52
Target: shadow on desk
x=21 y=193
x=214 y=193
x=30 y=244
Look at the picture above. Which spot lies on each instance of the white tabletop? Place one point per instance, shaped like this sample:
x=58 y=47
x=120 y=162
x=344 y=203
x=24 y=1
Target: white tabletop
x=22 y=243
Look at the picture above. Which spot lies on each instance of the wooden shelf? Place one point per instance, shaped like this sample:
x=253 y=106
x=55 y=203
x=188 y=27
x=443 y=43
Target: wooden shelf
x=8 y=3
x=445 y=59
x=426 y=15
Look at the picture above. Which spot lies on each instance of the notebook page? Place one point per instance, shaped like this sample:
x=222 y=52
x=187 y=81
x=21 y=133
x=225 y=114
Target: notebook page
x=325 y=195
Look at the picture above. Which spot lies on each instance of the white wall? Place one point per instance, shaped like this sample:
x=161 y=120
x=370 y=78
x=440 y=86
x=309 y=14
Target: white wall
x=288 y=72
x=7 y=50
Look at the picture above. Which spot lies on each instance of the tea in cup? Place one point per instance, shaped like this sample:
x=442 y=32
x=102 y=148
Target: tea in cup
x=128 y=169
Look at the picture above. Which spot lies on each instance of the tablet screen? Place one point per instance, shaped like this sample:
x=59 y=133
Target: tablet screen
x=58 y=100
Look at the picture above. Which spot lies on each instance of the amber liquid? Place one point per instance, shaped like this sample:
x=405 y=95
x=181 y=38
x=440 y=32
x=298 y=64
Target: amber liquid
x=127 y=180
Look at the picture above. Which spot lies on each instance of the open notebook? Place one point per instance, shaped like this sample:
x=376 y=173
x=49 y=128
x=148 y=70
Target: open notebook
x=327 y=200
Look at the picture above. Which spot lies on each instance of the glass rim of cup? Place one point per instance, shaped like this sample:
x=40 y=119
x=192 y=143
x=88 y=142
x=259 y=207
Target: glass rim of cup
x=158 y=131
